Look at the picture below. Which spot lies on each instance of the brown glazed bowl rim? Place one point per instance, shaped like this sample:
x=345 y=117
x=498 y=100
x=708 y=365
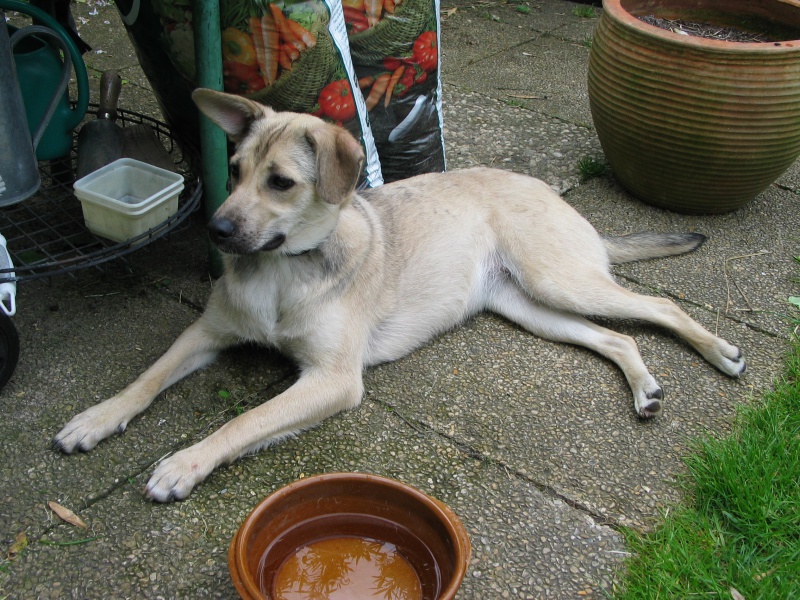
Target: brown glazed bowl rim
x=245 y=582
x=616 y=9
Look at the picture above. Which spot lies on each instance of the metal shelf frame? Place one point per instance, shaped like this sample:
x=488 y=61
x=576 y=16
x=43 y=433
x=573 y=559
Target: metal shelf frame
x=46 y=234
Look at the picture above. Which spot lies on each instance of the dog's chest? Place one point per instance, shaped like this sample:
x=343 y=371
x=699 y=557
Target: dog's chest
x=269 y=309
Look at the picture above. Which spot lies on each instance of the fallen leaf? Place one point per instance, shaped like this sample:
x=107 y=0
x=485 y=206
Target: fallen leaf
x=20 y=543
x=761 y=576
x=67 y=515
x=736 y=595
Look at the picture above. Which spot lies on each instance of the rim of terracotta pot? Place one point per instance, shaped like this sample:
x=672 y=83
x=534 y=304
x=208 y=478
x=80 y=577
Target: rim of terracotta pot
x=627 y=12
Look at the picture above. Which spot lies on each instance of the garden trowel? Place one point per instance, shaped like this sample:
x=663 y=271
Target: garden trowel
x=101 y=141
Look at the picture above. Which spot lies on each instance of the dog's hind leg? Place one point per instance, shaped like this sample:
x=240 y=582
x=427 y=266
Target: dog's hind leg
x=193 y=349
x=594 y=293
x=506 y=299
x=625 y=304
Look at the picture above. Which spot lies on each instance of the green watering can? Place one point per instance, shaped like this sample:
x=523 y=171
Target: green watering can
x=40 y=69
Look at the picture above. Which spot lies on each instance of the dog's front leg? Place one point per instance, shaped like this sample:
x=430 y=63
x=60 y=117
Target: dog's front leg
x=193 y=349
x=318 y=394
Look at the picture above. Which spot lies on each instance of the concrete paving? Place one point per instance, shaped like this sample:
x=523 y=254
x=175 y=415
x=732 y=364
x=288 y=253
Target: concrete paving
x=534 y=444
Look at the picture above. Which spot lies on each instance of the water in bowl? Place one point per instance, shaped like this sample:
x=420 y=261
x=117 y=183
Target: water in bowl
x=347 y=568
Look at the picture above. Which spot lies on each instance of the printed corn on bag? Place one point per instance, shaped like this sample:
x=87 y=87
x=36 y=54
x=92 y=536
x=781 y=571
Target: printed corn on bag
x=292 y=55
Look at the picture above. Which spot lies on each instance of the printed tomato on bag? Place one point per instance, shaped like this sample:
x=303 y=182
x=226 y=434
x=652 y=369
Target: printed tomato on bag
x=336 y=101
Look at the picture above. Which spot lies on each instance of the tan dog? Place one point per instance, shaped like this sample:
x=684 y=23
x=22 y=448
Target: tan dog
x=340 y=280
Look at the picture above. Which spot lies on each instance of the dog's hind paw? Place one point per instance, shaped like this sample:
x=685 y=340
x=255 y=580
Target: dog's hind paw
x=735 y=367
x=728 y=359
x=650 y=405
x=176 y=476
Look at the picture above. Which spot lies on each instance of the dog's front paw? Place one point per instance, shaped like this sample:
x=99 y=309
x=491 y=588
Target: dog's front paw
x=88 y=428
x=176 y=476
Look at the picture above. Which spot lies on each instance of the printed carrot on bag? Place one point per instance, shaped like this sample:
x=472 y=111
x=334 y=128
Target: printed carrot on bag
x=286 y=33
x=265 y=39
x=398 y=73
x=378 y=89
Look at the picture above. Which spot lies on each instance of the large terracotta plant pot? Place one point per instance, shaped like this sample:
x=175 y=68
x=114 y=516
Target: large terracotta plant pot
x=692 y=124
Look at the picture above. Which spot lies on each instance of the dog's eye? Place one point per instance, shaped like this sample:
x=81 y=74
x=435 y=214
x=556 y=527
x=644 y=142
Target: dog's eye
x=279 y=182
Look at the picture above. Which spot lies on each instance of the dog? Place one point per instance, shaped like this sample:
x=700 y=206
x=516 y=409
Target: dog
x=340 y=280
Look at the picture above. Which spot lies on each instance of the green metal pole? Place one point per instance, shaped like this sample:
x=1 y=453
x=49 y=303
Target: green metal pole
x=213 y=143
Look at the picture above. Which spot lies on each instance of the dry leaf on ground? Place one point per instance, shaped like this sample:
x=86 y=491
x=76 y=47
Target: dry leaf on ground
x=66 y=514
x=20 y=543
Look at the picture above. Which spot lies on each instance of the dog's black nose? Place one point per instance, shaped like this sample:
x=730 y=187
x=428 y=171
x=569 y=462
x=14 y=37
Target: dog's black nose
x=221 y=230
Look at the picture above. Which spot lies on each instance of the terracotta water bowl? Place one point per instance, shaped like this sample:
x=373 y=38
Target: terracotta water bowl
x=349 y=536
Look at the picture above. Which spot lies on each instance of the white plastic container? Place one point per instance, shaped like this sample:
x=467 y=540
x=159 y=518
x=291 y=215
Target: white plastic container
x=8 y=289
x=127 y=197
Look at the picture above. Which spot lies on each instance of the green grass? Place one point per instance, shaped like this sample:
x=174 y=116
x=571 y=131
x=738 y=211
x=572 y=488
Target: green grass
x=739 y=528
x=584 y=12
x=589 y=167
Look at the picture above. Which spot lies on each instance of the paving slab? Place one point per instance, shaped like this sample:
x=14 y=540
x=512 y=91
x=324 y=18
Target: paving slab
x=520 y=58
x=485 y=131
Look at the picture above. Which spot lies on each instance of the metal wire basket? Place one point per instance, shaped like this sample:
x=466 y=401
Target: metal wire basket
x=46 y=234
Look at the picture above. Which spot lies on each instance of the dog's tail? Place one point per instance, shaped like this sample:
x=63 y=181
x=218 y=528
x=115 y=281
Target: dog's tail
x=642 y=246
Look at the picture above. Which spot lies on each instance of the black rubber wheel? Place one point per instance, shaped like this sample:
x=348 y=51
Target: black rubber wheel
x=9 y=348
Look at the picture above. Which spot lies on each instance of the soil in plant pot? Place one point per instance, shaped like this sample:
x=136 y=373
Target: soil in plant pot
x=752 y=30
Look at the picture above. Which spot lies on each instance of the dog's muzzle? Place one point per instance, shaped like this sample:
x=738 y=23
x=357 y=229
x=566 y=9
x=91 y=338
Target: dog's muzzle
x=223 y=233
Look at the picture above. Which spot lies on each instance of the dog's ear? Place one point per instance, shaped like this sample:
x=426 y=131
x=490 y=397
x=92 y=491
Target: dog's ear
x=339 y=161
x=233 y=114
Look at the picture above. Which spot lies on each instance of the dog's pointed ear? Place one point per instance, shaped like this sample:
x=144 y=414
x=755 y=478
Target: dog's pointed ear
x=233 y=114
x=339 y=162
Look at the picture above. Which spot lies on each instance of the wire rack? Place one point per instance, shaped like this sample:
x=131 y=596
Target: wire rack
x=46 y=234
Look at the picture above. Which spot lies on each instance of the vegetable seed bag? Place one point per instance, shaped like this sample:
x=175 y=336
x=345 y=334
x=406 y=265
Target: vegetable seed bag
x=291 y=55
x=394 y=46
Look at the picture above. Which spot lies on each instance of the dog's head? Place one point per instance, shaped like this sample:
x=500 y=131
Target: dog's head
x=290 y=175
